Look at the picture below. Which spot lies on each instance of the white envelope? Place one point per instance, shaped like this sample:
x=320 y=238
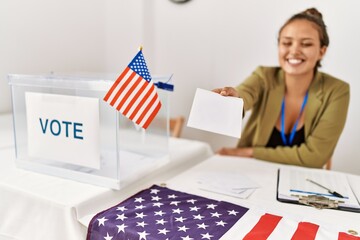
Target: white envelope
x=215 y=113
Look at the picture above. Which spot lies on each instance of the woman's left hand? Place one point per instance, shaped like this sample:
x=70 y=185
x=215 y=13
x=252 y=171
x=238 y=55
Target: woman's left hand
x=239 y=152
x=227 y=91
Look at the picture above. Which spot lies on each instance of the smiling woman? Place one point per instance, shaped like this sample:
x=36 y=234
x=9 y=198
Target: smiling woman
x=298 y=112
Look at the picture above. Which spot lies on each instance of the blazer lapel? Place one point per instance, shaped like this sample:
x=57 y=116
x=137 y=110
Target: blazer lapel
x=314 y=102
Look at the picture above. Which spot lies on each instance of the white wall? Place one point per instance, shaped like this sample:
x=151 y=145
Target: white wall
x=205 y=43
x=67 y=36
x=213 y=43
x=40 y=36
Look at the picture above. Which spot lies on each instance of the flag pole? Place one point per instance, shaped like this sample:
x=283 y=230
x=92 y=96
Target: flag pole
x=143 y=132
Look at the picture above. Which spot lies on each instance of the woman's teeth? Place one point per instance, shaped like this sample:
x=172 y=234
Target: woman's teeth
x=294 y=61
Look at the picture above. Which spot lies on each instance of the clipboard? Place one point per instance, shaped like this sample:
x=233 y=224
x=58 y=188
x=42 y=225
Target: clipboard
x=317 y=200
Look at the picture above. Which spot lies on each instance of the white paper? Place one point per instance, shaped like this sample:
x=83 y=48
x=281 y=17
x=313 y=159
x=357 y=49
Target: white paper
x=232 y=184
x=63 y=128
x=215 y=113
x=293 y=181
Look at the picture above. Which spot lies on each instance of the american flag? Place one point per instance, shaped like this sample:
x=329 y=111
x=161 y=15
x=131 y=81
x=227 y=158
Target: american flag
x=260 y=225
x=159 y=213
x=133 y=93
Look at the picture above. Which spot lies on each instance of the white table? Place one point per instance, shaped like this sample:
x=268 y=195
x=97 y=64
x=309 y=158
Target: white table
x=264 y=198
x=37 y=206
x=6 y=131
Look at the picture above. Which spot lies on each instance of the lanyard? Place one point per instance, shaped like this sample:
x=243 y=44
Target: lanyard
x=282 y=122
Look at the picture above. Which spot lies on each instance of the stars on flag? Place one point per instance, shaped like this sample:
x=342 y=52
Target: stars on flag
x=199 y=217
x=221 y=223
x=216 y=214
x=191 y=201
x=180 y=219
x=206 y=236
x=163 y=231
x=187 y=238
x=158 y=204
x=175 y=203
x=161 y=221
x=121 y=217
x=121 y=228
x=195 y=208
x=183 y=228
x=161 y=213
x=141 y=224
x=233 y=212
x=156 y=198
x=154 y=191
x=211 y=206
x=107 y=237
x=177 y=210
x=139 y=207
x=203 y=226
x=140 y=215
x=142 y=235
x=121 y=208
x=102 y=221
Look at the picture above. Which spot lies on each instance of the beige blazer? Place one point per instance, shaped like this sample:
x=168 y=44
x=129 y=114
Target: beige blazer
x=325 y=116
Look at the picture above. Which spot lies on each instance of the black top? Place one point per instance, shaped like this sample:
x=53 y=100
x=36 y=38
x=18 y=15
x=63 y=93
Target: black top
x=276 y=140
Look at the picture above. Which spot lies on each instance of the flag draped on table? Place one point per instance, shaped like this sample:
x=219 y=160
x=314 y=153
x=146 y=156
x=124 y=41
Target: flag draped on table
x=134 y=94
x=159 y=213
x=258 y=225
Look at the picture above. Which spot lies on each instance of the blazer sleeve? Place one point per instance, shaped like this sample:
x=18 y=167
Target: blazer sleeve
x=321 y=142
x=251 y=89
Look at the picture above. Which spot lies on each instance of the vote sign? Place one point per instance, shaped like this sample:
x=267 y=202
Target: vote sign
x=63 y=128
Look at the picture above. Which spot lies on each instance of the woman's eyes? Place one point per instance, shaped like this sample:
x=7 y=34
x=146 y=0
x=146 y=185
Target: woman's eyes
x=305 y=44
x=286 y=43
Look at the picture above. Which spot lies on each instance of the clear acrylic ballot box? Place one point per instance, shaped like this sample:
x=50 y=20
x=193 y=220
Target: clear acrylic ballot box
x=63 y=127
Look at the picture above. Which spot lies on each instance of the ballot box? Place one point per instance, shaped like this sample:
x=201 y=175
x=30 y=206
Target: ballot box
x=63 y=127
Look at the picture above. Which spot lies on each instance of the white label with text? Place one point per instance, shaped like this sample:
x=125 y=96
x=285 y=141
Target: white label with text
x=63 y=128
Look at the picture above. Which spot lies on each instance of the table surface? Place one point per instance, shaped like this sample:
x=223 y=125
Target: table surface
x=50 y=207
x=264 y=198
x=54 y=208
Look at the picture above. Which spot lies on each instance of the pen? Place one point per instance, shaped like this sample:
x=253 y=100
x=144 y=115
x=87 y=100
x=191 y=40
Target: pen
x=336 y=194
x=312 y=193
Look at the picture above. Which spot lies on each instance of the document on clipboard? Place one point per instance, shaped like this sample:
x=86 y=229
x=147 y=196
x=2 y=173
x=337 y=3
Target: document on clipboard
x=316 y=187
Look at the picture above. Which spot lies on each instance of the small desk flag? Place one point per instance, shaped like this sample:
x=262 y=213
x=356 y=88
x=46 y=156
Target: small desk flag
x=134 y=94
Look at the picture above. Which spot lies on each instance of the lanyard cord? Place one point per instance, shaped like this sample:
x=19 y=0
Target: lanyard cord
x=282 y=122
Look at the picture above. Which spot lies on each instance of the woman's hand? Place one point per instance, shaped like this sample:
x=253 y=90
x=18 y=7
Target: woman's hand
x=239 y=152
x=226 y=91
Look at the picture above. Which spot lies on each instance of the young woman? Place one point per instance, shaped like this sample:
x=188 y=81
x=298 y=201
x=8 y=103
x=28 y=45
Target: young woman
x=298 y=112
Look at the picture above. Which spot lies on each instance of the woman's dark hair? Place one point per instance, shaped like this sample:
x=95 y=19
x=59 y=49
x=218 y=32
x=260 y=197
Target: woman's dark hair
x=314 y=16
